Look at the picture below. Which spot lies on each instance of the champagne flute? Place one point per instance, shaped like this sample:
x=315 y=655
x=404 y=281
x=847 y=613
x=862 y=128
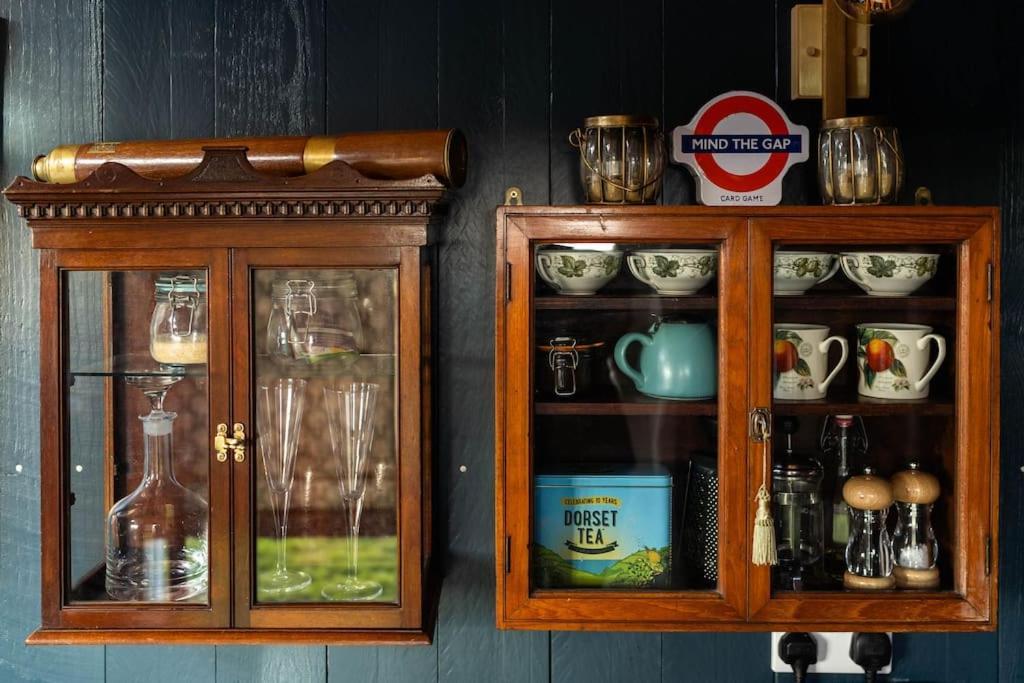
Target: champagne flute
x=279 y=407
x=350 y=413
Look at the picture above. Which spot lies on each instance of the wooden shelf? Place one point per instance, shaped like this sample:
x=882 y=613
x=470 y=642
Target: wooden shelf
x=640 y=406
x=866 y=407
x=626 y=302
x=854 y=302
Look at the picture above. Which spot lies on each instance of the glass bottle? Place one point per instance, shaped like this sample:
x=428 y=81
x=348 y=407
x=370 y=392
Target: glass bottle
x=799 y=514
x=177 y=328
x=844 y=441
x=315 y=320
x=914 y=546
x=868 y=551
x=156 y=536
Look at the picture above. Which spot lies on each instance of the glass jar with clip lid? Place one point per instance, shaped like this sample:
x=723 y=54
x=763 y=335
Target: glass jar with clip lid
x=178 y=326
x=315 y=320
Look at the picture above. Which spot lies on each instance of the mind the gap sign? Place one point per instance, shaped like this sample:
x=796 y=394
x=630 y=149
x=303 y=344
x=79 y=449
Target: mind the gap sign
x=739 y=147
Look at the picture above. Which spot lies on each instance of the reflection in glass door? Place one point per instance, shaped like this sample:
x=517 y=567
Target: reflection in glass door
x=325 y=460
x=863 y=388
x=625 y=408
x=138 y=422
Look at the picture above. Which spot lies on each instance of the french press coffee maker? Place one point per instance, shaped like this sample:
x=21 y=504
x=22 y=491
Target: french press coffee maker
x=869 y=549
x=799 y=513
x=914 y=546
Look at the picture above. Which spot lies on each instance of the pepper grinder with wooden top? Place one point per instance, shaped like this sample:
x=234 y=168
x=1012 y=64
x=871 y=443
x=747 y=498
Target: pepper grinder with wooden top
x=868 y=551
x=913 y=542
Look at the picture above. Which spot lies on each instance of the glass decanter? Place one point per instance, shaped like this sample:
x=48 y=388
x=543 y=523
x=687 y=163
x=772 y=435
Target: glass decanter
x=869 y=550
x=914 y=546
x=156 y=536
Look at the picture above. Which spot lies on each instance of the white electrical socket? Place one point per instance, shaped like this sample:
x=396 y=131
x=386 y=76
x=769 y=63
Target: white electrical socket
x=833 y=655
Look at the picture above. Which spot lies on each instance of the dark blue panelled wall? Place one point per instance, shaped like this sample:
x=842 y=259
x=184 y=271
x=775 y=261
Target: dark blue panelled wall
x=515 y=76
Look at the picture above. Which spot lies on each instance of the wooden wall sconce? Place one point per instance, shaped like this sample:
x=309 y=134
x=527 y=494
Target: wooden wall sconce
x=830 y=57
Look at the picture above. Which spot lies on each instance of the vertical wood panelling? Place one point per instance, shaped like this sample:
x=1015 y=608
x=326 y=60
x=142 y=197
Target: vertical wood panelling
x=243 y=664
x=1011 y=536
x=270 y=67
x=151 y=52
x=606 y=657
x=693 y=76
x=470 y=97
x=734 y=657
x=51 y=90
x=353 y=95
x=516 y=77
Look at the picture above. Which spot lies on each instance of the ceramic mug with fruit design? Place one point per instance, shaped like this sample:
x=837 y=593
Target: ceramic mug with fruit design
x=578 y=272
x=882 y=274
x=797 y=271
x=801 y=361
x=893 y=359
x=674 y=272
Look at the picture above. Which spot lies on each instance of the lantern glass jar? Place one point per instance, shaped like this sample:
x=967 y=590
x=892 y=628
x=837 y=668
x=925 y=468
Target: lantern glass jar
x=622 y=159
x=860 y=161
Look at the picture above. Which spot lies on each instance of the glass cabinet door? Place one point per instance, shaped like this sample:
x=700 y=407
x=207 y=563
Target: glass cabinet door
x=141 y=360
x=622 y=350
x=324 y=469
x=872 y=350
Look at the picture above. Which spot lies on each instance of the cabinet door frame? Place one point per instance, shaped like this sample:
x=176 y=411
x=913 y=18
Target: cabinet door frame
x=518 y=606
x=57 y=612
x=971 y=606
x=408 y=613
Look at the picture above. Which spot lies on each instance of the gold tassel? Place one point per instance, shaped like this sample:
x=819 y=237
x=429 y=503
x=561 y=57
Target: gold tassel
x=765 y=551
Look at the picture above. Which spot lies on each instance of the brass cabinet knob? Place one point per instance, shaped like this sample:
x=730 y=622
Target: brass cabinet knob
x=220 y=443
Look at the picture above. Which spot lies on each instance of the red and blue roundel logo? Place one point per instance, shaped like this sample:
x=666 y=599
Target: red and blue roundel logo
x=739 y=147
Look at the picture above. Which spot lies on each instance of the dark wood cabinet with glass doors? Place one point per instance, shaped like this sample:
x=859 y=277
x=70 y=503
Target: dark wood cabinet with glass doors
x=655 y=366
x=236 y=406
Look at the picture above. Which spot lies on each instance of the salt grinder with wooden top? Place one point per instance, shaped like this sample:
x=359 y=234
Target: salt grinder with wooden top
x=869 y=562
x=913 y=541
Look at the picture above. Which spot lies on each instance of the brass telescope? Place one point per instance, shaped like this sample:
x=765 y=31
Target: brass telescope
x=388 y=155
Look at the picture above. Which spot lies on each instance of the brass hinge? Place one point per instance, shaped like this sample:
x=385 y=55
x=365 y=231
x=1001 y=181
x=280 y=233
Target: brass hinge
x=508 y=554
x=991 y=280
x=508 y=282
x=988 y=555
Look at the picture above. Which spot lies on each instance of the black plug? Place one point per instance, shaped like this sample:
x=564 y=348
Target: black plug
x=871 y=652
x=799 y=650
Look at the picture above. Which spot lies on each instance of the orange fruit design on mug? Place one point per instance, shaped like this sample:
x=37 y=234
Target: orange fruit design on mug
x=879 y=355
x=785 y=356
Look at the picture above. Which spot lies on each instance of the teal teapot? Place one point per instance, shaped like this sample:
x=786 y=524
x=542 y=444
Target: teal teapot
x=677 y=361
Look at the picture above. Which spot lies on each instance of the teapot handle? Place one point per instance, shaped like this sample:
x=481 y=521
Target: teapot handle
x=620 y=356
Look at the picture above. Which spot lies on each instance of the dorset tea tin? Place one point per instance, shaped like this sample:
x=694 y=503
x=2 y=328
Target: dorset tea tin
x=603 y=526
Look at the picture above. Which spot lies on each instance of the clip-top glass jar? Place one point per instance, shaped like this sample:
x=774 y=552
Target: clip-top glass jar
x=622 y=159
x=177 y=329
x=913 y=542
x=315 y=320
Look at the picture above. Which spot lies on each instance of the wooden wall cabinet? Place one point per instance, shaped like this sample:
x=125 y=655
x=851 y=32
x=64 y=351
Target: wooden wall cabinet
x=698 y=574
x=274 y=292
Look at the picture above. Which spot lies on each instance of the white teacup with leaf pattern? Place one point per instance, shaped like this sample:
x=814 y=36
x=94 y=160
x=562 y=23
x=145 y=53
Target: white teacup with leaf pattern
x=797 y=271
x=882 y=274
x=674 y=272
x=578 y=272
